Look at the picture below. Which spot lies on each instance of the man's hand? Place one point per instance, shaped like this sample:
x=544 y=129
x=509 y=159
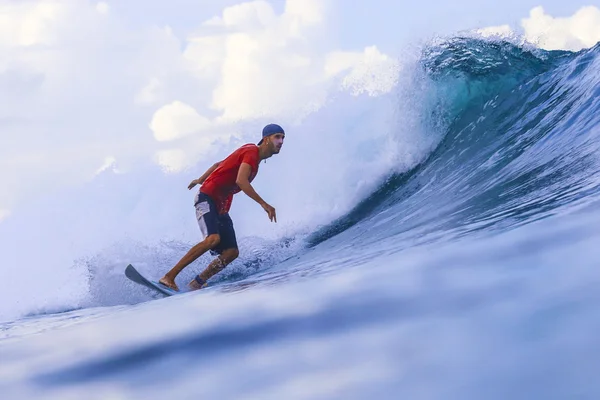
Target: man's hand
x=270 y=211
x=193 y=183
x=243 y=183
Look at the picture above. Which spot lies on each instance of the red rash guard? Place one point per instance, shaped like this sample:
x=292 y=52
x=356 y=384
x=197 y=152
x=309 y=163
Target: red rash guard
x=220 y=184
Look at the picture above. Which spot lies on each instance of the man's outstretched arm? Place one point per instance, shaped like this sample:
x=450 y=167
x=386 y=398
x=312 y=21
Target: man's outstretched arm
x=201 y=180
x=244 y=184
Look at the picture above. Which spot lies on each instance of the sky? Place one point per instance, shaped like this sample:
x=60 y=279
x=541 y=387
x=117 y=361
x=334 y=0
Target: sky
x=89 y=86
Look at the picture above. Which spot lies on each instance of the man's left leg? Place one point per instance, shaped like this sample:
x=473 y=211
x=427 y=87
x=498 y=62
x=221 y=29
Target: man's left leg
x=227 y=249
x=216 y=266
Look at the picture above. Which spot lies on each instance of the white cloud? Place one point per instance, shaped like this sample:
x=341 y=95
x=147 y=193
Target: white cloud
x=102 y=7
x=176 y=120
x=173 y=160
x=263 y=70
x=275 y=66
x=306 y=12
x=245 y=16
x=28 y=23
x=204 y=56
x=578 y=31
x=581 y=30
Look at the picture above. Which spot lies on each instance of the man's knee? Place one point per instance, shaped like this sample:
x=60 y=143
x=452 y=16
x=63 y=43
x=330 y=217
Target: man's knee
x=213 y=240
x=230 y=254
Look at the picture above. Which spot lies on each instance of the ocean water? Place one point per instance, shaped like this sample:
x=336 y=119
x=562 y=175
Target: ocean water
x=440 y=242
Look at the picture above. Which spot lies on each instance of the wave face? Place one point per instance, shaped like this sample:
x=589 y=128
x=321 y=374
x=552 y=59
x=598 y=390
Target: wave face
x=521 y=143
x=472 y=274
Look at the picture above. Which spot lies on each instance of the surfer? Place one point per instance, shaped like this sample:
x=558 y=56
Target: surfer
x=213 y=200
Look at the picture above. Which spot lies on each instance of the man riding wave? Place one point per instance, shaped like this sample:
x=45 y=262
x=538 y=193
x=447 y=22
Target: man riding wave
x=213 y=201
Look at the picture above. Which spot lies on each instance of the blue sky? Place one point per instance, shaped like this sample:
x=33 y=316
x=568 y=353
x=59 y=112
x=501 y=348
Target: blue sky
x=389 y=24
x=404 y=21
x=89 y=85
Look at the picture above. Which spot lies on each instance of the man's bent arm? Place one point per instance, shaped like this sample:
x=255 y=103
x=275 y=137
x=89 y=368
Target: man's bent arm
x=244 y=184
x=208 y=172
x=201 y=180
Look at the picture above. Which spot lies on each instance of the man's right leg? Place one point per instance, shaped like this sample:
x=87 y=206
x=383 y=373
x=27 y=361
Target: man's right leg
x=214 y=267
x=229 y=243
x=210 y=242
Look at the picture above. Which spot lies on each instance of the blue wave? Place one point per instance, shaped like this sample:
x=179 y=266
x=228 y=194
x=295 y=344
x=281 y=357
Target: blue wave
x=520 y=139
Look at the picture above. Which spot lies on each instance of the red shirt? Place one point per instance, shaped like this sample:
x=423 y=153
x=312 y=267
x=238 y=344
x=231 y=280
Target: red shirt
x=220 y=184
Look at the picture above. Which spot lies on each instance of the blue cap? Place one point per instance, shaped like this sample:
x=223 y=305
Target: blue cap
x=269 y=130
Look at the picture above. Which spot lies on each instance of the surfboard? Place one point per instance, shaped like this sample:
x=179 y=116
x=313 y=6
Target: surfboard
x=140 y=279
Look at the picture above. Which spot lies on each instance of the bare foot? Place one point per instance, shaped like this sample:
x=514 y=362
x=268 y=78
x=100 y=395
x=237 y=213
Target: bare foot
x=170 y=283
